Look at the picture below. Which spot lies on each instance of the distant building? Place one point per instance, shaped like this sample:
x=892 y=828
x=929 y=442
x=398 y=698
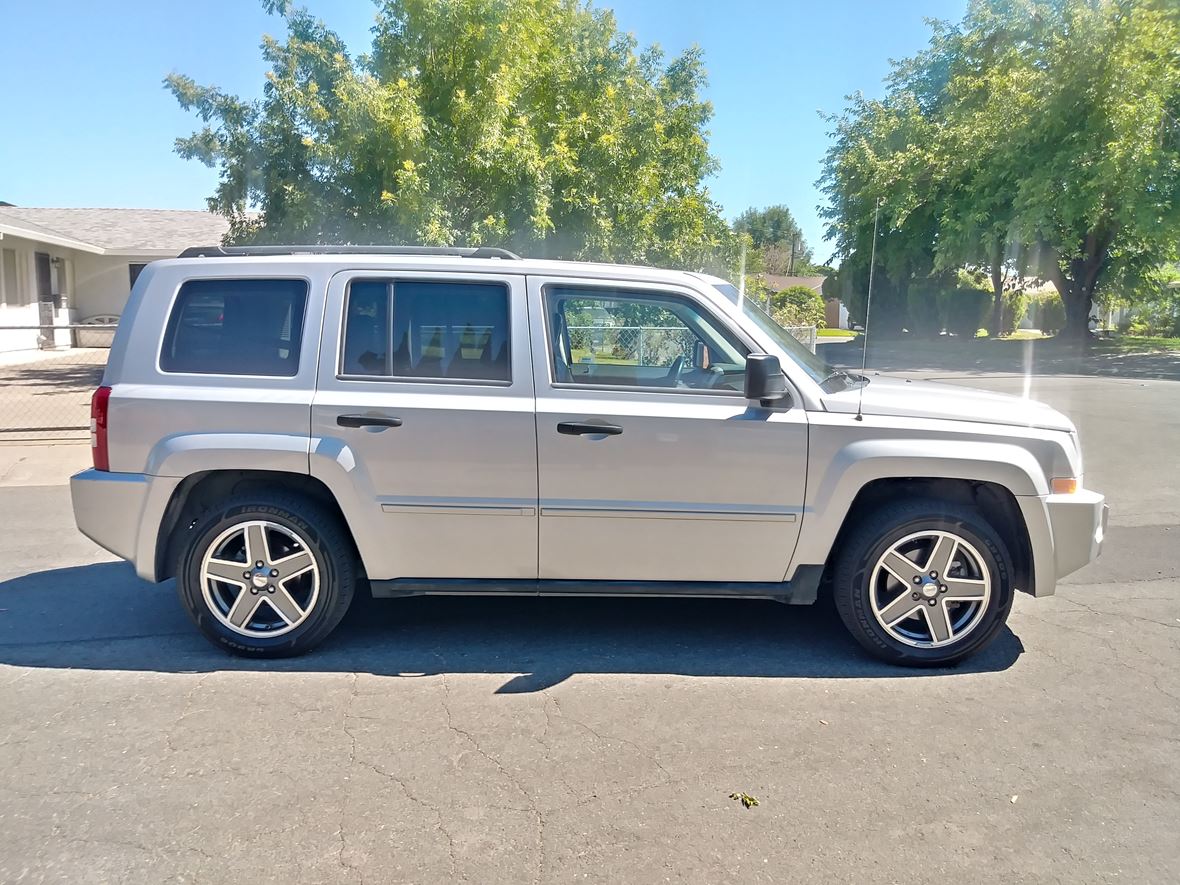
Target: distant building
x=59 y=266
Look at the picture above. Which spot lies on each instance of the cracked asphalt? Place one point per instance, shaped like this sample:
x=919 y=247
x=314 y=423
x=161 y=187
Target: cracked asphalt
x=561 y=740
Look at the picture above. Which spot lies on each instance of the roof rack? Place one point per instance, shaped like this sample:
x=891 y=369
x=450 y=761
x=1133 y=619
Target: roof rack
x=244 y=251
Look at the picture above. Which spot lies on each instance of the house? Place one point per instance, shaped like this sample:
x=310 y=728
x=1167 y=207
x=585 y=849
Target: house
x=835 y=314
x=62 y=266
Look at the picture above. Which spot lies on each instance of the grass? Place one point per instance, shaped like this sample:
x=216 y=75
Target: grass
x=836 y=333
x=1136 y=344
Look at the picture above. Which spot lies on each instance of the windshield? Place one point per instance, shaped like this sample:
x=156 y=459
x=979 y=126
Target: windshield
x=795 y=349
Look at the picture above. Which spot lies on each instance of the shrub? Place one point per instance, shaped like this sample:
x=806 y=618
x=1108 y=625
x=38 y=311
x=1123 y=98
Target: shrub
x=965 y=311
x=1015 y=309
x=1050 y=312
x=925 y=312
x=798 y=306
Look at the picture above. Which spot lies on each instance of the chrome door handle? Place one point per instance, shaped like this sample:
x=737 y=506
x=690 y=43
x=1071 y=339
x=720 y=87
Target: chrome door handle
x=367 y=421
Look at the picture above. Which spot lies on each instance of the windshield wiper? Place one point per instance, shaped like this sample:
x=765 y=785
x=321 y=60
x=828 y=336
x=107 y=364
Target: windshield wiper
x=850 y=379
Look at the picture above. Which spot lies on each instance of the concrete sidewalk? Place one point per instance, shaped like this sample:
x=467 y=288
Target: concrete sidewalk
x=41 y=465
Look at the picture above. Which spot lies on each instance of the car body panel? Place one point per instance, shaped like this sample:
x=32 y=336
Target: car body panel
x=452 y=492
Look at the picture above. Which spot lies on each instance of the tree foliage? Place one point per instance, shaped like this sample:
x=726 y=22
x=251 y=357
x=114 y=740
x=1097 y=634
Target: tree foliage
x=531 y=124
x=798 y=306
x=776 y=241
x=1036 y=136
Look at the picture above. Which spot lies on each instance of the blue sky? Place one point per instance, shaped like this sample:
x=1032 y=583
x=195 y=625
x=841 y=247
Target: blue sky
x=87 y=122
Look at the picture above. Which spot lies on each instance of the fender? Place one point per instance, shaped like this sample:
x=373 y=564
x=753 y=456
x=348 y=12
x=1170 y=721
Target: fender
x=857 y=464
x=177 y=457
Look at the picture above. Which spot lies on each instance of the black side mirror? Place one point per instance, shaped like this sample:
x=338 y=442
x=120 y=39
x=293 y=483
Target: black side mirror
x=765 y=380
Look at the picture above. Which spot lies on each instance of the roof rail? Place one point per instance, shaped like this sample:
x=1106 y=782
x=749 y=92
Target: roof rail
x=243 y=251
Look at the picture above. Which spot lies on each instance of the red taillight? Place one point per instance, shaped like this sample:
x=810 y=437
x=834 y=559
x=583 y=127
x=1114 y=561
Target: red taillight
x=98 y=428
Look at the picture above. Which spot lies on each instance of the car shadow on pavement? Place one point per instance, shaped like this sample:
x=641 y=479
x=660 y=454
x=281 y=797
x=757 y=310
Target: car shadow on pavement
x=102 y=617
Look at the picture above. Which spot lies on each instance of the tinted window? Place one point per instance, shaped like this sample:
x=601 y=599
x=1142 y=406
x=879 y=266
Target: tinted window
x=634 y=339
x=236 y=327
x=440 y=330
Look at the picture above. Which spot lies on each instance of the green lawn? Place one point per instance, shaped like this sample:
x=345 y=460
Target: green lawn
x=835 y=333
x=1136 y=344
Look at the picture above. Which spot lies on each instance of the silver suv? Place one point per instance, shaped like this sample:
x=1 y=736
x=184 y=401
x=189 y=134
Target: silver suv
x=279 y=428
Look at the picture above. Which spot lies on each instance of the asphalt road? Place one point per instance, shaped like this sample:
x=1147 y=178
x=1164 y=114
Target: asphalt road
x=599 y=740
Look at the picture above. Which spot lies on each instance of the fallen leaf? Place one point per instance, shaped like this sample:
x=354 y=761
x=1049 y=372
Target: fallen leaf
x=745 y=798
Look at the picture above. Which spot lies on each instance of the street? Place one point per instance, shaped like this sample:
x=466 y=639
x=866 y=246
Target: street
x=555 y=740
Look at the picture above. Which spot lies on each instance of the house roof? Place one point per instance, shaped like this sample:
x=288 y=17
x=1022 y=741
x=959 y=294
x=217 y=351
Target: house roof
x=115 y=231
x=777 y=282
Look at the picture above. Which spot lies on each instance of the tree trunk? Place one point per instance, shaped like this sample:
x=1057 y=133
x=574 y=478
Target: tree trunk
x=998 y=293
x=1077 y=287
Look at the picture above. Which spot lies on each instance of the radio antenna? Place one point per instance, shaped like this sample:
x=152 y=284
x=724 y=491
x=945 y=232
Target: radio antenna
x=864 y=353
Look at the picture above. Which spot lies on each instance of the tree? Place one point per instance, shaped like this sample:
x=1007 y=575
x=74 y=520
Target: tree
x=1038 y=136
x=531 y=124
x=798 y=306
x=777 y=237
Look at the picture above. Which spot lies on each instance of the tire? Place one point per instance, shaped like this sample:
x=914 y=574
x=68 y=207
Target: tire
x=304 y=545
x=946 y=622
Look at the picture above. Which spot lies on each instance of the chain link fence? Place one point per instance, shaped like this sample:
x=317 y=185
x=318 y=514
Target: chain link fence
x=47 y=375
x=648 y=345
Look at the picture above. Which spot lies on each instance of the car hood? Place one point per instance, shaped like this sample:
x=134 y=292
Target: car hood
x=949 y=402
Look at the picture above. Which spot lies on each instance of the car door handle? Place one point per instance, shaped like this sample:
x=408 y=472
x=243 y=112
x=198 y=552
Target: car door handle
x=581 y=428
x=367 y=421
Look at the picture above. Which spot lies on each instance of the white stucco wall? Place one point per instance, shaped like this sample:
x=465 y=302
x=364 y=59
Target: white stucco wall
x=91 y=285
x=102 y=283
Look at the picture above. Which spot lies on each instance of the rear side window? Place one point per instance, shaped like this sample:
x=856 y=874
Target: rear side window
x=236 y=327
x=450 y=331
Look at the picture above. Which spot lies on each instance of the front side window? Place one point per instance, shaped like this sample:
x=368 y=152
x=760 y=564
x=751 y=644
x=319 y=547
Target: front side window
x=637 y=339
x=451 y=331
x=236 y=327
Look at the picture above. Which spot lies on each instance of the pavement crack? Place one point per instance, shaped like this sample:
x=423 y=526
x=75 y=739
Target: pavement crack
x=538 y=816
x=186 y=710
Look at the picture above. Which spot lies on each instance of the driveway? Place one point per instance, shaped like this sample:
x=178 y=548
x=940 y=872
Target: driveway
x=558 y=740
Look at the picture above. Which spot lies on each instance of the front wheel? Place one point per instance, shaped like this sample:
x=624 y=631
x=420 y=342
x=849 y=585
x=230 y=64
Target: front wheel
x=923 y=583
x=267 y=576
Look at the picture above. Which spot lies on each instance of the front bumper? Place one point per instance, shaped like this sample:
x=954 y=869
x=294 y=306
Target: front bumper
x=1066 y=533
x=122 y=512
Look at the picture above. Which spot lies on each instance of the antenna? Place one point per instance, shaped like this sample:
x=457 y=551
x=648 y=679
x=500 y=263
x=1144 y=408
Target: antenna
x=864 y=354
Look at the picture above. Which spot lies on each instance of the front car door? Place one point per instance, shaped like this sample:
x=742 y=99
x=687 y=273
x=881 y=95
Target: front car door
x=423 y=420
x=652 y=464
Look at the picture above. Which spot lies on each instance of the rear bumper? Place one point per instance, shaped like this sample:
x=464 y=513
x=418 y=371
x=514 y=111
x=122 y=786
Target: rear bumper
x=122 y=512
x=1066 y=533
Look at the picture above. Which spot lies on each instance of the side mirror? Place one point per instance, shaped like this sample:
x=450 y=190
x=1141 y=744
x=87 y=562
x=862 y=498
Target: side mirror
x=765 y=380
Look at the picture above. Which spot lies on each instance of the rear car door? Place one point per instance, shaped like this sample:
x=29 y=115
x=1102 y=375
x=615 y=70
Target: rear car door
x=652 y=465
x=425 y=403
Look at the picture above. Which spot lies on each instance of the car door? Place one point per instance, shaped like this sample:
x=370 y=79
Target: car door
x=652 y=464
x=423 y=414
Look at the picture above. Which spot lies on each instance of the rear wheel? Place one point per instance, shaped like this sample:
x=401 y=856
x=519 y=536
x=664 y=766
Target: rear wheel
x=923 y=583
x=267 y=576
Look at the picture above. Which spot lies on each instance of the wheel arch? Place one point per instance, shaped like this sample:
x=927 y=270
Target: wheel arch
x=995 y=502
x=995 y=477
x=201 y=491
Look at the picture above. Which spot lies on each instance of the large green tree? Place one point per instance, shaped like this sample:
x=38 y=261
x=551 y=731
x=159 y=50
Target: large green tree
x=1038 y=135
x=532 y=124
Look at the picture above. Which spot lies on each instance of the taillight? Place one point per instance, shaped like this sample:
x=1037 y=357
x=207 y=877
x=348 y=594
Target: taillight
x=98 y=428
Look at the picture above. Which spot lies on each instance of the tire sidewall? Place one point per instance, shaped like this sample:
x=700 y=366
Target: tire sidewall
x=853 y=590
x=333 y=569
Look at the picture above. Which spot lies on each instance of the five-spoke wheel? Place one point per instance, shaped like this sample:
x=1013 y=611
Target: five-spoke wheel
x=267 y=575
x=259 y=579
x=923 y=582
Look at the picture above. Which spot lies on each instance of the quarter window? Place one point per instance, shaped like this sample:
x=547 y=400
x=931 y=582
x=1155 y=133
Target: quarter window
x=236 y=327
x=423 y=329
x=636 y=339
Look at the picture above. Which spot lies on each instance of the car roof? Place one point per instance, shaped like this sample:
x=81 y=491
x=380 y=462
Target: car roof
x=431 y=262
